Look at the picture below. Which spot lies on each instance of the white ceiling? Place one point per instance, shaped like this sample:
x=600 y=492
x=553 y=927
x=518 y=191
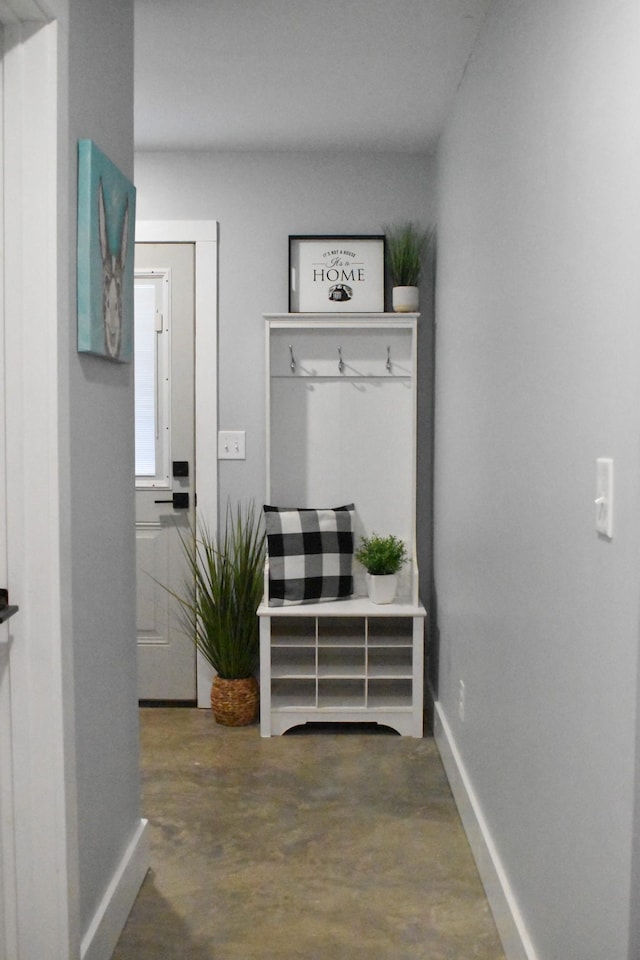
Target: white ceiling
x=298 y=74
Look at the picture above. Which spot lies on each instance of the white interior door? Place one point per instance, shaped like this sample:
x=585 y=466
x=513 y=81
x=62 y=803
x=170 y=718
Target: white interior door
x=165 y=464
x=5 y=770
x=8 y=932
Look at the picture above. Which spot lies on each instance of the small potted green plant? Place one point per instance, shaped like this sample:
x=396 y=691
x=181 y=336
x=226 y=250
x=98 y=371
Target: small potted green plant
x=406 y=247
x=382 y=558
x=217 y=608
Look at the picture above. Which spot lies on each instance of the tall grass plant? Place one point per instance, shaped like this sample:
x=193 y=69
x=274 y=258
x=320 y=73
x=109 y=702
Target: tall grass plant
x=222 y=591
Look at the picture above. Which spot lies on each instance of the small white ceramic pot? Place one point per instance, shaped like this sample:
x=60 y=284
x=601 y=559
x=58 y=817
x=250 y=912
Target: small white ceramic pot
x=405 y=299
x=382 y=589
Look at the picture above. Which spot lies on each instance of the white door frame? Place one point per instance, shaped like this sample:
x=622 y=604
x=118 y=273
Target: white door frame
x=40 y=694
x=8 y=909
x=204 y=235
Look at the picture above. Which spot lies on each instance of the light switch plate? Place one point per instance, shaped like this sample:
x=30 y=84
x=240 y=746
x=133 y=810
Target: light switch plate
x=604 y=496
x=231 y=445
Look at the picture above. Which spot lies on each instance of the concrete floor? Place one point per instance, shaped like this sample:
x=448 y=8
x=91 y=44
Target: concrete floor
x=335 y=843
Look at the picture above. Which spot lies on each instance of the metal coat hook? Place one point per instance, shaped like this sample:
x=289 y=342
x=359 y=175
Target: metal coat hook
x=388 y=364
x=340 y=360
x=293 y=360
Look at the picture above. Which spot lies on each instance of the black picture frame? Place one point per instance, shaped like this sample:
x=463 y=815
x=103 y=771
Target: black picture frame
x=337 y=273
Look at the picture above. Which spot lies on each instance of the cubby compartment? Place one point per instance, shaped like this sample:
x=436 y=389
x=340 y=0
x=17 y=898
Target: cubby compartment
x=293 y=661
x=341 y=662
x=389 y=694
x=289 y=693
x=341 y=632
x=293 y=631
x=390 y=632
x=390 y=662
x=341 y=694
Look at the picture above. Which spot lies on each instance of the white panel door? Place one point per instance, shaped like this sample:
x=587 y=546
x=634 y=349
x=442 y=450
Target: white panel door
x=165 y=461
x=8 y=932
x=5 y=769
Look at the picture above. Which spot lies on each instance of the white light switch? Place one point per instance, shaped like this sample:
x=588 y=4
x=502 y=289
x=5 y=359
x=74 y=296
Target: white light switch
x=604 y=496
x=231 y=445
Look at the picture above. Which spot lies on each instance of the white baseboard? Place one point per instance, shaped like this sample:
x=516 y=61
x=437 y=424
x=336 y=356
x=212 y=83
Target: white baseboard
x=511 y=928
x=103 y=932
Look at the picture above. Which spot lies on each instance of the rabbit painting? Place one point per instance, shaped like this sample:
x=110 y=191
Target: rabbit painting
x=106 y=227
x=113 y=265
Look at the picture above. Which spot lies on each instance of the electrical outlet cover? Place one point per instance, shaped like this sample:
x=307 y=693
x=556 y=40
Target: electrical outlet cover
x=604 y=496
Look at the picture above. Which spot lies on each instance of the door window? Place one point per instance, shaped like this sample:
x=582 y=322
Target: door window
x=152 y=388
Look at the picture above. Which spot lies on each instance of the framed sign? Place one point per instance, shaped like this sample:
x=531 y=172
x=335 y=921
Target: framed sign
x=343 y=274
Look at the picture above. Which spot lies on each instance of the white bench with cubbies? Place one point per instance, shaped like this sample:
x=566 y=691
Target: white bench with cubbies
x=341 y=428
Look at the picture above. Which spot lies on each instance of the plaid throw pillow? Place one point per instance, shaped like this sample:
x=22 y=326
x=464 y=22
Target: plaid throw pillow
x=310 y=554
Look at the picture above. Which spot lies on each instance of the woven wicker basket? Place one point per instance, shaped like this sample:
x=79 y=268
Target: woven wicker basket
x=235 y=702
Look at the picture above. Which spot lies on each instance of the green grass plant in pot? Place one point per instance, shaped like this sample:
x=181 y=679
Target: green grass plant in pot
x=382 y=558
x=406 y=245
x=218 y=610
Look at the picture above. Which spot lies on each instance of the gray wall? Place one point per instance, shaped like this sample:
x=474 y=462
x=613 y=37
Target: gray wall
x=98 y=444
x=259 y=199
x=538 y=374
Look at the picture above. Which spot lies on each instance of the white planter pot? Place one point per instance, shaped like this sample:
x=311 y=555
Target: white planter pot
x=382 y=589
x=405 y=299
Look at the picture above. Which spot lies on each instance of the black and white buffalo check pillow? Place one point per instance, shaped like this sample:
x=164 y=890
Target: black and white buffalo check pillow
x=310 y=554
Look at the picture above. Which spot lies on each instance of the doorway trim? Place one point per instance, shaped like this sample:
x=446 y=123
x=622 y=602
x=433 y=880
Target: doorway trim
x=203 y=234
x=38 y=695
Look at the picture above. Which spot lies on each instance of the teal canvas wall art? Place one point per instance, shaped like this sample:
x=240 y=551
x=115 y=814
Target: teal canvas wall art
x=106 y=228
